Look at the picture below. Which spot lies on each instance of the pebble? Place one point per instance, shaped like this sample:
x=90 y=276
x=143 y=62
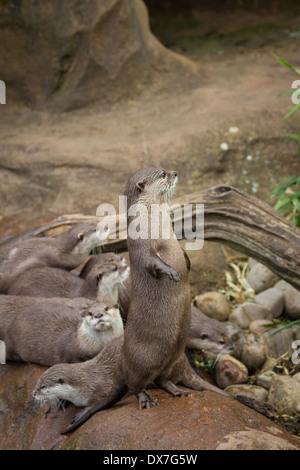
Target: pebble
x=230 y=371
x=224 y=146
x=264 y=379
x=214 y=305
x=254 y=352
x=292 y=299
x=273 y=299
x=248 y=312
x=261 y=278
x=250 y=391
x=258 y=326
x=281 y=342
x=284 y=394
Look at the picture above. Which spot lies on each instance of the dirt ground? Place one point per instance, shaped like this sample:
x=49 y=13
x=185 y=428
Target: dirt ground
x=71 y=162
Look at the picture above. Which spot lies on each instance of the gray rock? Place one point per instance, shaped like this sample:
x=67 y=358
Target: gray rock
x=264 y=379
x=292 y=299
x=214 y=305
x=230 y=371
x=281 y=342
x=284 y=394
x=252 y=262
x=297 y=377
x=248 y=312
x=260 y=278
x=258 y=326
x=254 y=352
x=273 y=299
x=251 y=391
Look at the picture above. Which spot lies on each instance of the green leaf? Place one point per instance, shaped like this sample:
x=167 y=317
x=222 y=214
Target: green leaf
x=286 y=64
x=292 y=111
x=282 y=204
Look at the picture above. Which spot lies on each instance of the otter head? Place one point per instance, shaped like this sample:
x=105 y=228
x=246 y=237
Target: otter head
x=59 y=382
x=151 y=186
x=110 y=274
x=82 y=239
x=100 y=316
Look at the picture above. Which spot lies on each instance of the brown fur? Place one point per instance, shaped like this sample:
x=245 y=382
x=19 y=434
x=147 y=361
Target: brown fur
x=101 y=258
x=159 y=313
x=55 y=282
x=48 y=333
x=67 y=251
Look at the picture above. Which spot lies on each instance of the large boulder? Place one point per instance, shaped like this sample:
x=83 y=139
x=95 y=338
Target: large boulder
x=72 y=53
x=202 y=421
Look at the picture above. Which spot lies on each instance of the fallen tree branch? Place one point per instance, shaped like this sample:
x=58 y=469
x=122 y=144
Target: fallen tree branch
x=232 y=217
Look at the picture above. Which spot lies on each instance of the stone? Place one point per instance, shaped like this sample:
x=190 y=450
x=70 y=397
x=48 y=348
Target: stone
x=297 y=377
x=282 y=341
x=230 y=371
x=292 y=299
x=246 y=313
x=254 y=352
x=261 y=278
x=273 y=299
x=284 y=394
x=214 y=305
x=264 y=379
x=176 y=424
x=252 y=262
x=91 y=51
x=249 y=391
x=258 y=326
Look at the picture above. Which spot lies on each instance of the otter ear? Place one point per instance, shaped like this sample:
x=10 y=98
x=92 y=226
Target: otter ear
x=141 y=185
x=116 y=306
x=83 y=313
x=99 y=277
x=80 y=236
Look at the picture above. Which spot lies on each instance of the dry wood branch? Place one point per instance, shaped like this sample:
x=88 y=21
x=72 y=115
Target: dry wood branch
x=232 y=217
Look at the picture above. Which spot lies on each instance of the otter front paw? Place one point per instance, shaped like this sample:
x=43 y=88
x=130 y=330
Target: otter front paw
x=172 y=275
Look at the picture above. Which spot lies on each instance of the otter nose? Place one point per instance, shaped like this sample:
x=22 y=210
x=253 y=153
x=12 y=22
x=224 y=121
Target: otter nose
x=99 y=315
x=34 y=393
x=175 y=173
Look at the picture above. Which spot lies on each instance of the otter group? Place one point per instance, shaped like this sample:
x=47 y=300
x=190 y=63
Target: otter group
x=38 y=291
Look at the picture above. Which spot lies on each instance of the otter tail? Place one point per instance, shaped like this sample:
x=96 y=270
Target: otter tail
x=116 y=395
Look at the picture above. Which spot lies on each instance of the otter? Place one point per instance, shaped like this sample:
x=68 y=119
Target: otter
x=101 y=282
x=101 y=258
x=208 y=334
x=86 y=383
x=48 y=333
x=159 y=313
x=66 y=251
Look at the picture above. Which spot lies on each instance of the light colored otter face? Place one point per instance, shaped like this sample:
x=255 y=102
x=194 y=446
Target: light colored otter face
x=156 y=185
x=54 y=385
x=112 y=274
x=99 y=317
x=88 y=239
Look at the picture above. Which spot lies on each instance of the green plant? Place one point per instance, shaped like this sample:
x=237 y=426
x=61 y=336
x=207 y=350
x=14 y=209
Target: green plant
x=287 y=192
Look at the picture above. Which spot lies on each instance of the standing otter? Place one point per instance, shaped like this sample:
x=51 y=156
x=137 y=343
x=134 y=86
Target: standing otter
x=100 y=284
x=67 y=251
x=159 y=313
x=49 y=333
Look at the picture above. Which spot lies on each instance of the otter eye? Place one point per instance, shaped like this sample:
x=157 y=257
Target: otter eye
x=163 y=175
x=42 y=386
x=203 y=336
x=221 y=341
x=106 y=309
x=90 y=314
x=80 y=236
x=110 y=260
x=60 y=381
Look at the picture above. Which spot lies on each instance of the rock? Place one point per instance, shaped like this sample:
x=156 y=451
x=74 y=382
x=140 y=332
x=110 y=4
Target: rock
x=92 y=50
x=252 y=262
x=176 y=424
x=273 y=299
x=214 y=305
x=254 y=351
x=297 y=377
x=264 y=379
x=251 y=391
x=284 y=394
x=248 y=312
x=281 y=342
x=257 y=326
x=260 y=277
x=230 y=371
x=292 y=299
